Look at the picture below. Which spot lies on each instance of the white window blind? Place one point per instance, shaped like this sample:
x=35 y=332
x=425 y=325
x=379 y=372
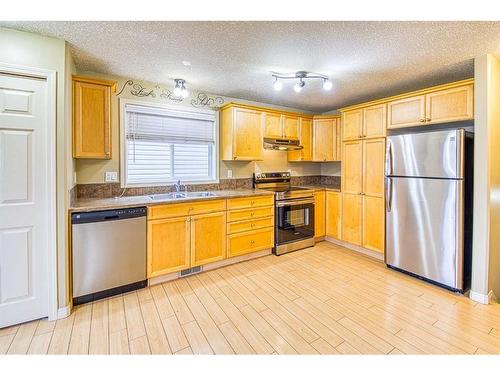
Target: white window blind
x=164 y=145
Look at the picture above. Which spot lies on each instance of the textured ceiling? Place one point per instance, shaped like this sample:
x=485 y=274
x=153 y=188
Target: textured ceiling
x=365 y=60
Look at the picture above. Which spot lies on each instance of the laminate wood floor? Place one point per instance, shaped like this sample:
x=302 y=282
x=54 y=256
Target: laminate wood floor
x=326 y=300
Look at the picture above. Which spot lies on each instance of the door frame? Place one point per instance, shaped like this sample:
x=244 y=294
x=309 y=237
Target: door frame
x=50 y=77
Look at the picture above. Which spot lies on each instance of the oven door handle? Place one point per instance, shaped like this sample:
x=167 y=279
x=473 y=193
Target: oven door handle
x=294 y=203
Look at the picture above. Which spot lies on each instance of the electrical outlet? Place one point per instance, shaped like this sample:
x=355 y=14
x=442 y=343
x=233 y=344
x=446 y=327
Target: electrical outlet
x=111 y=176
x=229 y=173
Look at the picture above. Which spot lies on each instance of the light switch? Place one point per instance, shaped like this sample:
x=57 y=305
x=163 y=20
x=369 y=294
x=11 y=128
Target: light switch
x=229 y=173
x=111 y=176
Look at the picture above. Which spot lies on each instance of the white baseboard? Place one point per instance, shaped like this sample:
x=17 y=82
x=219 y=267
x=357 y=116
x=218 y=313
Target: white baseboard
x=64 y=312
x=359 y=249
x=481 y=298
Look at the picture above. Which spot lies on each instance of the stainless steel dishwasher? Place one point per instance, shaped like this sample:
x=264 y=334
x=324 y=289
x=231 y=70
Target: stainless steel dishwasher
x=108 y=253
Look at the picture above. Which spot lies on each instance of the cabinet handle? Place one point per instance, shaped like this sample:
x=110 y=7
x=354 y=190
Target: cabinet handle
x=252 y=242
x=427 y=119
x=422 y=120
x=252 y=214
x=252 y=203
x=252 y=225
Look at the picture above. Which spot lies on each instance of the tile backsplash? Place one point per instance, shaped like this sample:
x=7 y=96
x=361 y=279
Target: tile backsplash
x=109 y=190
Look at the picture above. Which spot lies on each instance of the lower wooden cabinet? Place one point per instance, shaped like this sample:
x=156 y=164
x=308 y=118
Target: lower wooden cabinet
x=352 y=218
x=169 y=245
x=208 y=238
x=319 y=214
x=373 y=223
x=333 y=214
x=179 y=243
x=249 y=242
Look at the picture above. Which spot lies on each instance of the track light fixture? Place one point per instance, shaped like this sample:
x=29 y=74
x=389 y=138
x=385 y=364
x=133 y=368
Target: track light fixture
x=301 y=76
x=180 y=89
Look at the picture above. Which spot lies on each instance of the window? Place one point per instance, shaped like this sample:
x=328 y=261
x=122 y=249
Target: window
x=164 y=144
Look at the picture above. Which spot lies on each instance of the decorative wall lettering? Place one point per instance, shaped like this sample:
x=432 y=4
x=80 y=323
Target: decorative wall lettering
x=167 y=94
x=203 y=100
x=138 y=89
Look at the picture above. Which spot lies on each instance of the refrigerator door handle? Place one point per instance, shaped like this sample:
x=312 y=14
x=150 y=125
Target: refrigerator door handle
x=388 y=159
x=388 y=194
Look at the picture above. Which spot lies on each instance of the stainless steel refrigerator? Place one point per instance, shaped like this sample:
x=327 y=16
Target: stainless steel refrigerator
x=428 y=189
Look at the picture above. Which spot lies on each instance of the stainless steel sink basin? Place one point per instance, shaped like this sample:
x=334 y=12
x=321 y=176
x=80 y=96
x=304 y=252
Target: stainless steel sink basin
x=156 y=197
x=182 y=195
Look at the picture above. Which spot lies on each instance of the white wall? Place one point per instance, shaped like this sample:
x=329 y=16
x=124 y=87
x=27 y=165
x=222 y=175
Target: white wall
x=36 y=51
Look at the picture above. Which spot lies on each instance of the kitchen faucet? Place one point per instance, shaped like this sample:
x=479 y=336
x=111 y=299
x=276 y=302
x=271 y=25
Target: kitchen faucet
x=178 y=186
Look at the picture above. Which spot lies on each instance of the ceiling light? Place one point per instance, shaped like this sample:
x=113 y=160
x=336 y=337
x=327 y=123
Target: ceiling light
x=301 y=75
x=180 y=90
x=298 y=86
x=327 y=85
x=278 y=85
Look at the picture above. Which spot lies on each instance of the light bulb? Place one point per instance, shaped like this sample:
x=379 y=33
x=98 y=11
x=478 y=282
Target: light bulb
x=278 y=85
x=327 y=85
x=184 y=93
x=177 y=91
x=298 y=86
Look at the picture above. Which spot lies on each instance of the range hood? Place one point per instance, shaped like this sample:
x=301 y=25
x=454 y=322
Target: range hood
x=282 y=144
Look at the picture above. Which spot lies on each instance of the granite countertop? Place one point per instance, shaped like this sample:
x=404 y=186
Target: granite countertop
x=323 y=187
x=94 y=204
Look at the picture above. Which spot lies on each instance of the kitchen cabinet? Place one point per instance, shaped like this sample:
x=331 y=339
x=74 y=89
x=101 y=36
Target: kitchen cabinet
x=208 y=238
x=363 y=207
x=169 y=245
x=333 y=214
x=305 y=137
x=241 y=134
x=438 y=106
x=325 y=139
x=92 y=118
x=181 y=242
x=319 y=214
x=277 y=125
x=250 y=225
x=368 y=122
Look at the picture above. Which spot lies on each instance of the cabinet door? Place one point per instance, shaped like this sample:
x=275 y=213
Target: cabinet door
x=374 y=121
x=454 y=104
x=291 y=127
x=273 y=125
x=352 y=218
x=324 y=134
x=208 y=238
x=168 y=245
x=91 y=120
x=406 y=112
x=333 y=214
x=247 y=135
x=352 y=167
x=373 y=167
x=373 y=223
x=338 y=144
x=352 y=124
x=319 y=214
x=305 y=136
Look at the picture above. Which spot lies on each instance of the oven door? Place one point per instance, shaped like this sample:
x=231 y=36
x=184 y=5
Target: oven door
x=294 y=220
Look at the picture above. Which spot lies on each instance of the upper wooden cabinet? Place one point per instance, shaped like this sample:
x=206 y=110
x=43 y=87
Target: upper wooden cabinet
x=305 y=137
x=92 y=117
x=442 y=105
x=369 y=122
x=278 y=125
x=241 y=134
x=325 y=140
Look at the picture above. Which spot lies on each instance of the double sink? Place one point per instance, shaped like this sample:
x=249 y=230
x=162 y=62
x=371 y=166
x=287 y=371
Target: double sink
x=182 y=195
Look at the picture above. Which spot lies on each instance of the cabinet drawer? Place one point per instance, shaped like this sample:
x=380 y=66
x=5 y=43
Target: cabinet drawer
x=183 y=209
x=249 y=202
x=242 y=226
x=250 y=213
x=248 y=242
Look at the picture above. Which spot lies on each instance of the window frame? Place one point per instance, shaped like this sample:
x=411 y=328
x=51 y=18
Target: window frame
x=170 y=107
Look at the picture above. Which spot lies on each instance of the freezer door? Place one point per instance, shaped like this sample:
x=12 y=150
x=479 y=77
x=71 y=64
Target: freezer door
x=423 y=228
x=432 y=154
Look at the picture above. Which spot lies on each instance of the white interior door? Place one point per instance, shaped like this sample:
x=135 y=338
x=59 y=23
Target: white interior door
x=24 y=199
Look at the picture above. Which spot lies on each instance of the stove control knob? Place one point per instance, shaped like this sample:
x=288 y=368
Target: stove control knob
x=263 y=175
x=257 y=176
